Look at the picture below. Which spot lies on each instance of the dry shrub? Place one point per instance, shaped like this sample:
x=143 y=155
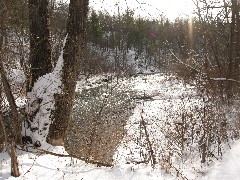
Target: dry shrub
x=185 y=72
x=194 y=134
x=98 y=122
x=96 y=63
x=216 y=81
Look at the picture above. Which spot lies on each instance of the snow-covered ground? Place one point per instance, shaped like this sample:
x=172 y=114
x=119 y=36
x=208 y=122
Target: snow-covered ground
x=229 y=167
x=165 y=97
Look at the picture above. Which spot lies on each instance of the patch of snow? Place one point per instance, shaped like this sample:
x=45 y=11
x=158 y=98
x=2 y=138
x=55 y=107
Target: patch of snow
x=17 y=76
x=35 y=167
x=228 y=168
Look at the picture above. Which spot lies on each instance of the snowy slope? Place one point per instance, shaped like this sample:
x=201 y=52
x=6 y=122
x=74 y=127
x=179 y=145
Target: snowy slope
x=35 y=167
x=166 y=94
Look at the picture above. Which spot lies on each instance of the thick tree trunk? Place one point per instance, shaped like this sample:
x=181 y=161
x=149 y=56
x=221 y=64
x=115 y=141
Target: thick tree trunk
x=40 y=48
x=73 y=54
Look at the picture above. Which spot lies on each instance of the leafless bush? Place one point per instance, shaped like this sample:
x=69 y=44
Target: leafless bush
x=200 y=130
x=95 y=63
x=189 y=130
x=98 y=123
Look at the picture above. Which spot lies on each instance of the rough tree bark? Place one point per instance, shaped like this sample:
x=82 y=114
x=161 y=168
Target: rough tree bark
x=73 y=54
x=40 y=48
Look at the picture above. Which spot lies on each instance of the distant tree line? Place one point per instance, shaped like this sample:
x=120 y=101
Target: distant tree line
x=207 y=44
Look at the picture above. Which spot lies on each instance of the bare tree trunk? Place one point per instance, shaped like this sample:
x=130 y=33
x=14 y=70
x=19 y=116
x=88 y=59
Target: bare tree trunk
x=12 y=104
x=12 y=153
x=15 y=126
x=231 y=49
x=73 y=54
x=15 y=132
x=15 y=135
x=14 y=162
x=40 y=48
x=5 y=136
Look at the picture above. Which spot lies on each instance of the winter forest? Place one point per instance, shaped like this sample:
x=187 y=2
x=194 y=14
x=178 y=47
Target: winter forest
x=118 y=93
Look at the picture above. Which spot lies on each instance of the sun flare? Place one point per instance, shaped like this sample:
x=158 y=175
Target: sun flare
x=171 y=9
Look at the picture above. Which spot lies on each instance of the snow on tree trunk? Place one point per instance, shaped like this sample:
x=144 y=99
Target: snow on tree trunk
x=44 y=89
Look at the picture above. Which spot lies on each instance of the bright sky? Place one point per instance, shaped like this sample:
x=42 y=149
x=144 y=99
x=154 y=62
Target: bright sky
x=170 y=8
